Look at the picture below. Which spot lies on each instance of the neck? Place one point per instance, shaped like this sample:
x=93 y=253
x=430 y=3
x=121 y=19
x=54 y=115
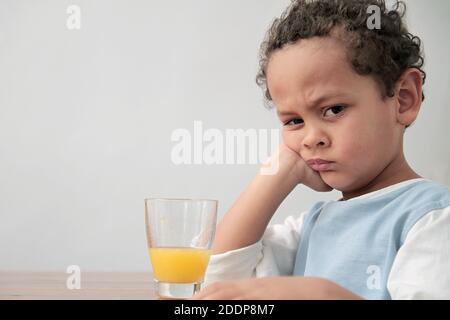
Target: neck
x=397 y=171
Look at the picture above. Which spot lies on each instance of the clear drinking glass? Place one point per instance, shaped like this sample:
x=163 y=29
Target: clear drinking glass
x=180 y=233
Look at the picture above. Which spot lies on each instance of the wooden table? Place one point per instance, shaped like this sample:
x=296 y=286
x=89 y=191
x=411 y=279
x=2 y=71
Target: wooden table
x=94 y=285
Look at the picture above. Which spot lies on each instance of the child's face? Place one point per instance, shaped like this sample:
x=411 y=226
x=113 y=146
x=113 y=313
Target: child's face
x=353 y=125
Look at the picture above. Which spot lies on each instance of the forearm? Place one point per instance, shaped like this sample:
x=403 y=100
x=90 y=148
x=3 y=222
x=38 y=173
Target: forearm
x=277 y=288
x=246 y=221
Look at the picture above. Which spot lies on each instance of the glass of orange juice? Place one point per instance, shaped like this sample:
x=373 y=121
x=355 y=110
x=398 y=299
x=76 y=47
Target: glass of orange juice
x=180 y=233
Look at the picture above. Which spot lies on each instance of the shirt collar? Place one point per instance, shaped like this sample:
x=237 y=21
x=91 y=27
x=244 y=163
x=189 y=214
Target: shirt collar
x=384 y=190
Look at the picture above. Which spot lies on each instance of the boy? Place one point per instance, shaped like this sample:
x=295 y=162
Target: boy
x=345 y=95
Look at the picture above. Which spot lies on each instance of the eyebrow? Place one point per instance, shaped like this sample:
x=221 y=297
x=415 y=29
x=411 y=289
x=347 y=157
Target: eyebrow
x=316 y=102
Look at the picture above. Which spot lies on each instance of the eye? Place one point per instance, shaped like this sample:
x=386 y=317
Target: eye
x=335 y=109
x=293 y=122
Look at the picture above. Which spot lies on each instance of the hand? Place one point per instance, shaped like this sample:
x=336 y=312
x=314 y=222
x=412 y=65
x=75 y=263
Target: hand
x=275 y=288
x=302 y=170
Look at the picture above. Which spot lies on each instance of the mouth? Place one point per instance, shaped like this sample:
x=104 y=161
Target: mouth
x=320 y=164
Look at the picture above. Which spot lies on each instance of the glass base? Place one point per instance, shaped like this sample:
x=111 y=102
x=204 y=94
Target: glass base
x=167 y=290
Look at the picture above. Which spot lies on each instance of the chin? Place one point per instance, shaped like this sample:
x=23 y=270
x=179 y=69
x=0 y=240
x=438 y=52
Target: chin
x=337 y=181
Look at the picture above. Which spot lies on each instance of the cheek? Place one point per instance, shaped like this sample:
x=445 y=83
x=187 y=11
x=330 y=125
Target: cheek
x=365 y=144
x=291 y=139
x=356 y=141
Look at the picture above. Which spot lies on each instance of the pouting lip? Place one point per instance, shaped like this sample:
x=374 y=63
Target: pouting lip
x=322 y=167
x=317 y=161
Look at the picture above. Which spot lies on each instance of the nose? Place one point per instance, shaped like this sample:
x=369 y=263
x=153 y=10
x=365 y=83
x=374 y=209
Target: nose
x=315 y=139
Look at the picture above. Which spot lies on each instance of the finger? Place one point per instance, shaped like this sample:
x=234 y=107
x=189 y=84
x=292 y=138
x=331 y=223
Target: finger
x=208 y=290
x=200 y=295
x=209 y=296
x=223 y=293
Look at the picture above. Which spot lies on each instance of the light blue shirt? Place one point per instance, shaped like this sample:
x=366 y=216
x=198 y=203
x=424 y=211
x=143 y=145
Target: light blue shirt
x=354 y=243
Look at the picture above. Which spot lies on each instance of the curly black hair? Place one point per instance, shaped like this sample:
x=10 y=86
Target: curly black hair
x=384 y=53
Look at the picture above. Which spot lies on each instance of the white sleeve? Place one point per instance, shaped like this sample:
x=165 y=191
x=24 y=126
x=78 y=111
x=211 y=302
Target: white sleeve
x=421 y=269
x=273 y=255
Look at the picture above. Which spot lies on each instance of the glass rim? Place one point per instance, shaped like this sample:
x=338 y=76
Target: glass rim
x=179 y=199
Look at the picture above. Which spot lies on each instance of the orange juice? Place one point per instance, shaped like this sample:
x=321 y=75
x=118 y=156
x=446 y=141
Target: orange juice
x=179 y=265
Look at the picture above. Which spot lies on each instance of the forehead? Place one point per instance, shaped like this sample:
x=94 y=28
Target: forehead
x=309 y=69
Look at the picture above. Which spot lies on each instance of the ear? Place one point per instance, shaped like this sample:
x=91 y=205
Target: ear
x=408 y=93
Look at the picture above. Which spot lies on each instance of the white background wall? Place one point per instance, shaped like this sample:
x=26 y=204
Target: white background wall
x=86 y=118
